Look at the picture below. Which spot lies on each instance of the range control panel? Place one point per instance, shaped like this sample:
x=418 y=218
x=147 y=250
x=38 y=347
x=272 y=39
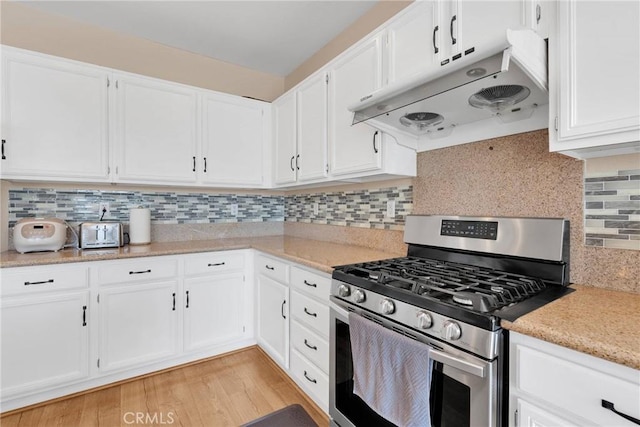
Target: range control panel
x=472 y=229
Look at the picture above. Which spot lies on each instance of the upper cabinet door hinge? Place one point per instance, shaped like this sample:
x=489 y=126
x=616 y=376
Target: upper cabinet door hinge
x=326 y=78
x=556 y=123
x=515 y=418
x=108 y=82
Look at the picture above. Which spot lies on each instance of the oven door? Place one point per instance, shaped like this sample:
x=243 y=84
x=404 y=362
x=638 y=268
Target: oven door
x=464 y=388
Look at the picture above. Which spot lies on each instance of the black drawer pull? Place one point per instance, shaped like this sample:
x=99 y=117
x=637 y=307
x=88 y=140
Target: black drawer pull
x=215 y=264
x=268 y=267
x=174 y=302
x=140 y=272
x=3 y=156
x=38 y=283
x=313 y=285
x=609 y=405
x=84 y=315
x=187 y=306
x=309 y=313
x=311 y=380
x=312 y=347
x=282 y=309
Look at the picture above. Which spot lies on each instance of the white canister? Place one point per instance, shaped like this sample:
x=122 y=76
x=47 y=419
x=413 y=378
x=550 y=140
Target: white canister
x=139 y=226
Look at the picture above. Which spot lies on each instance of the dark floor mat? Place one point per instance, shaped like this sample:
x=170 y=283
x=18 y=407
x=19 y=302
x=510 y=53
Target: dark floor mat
x=291 y=416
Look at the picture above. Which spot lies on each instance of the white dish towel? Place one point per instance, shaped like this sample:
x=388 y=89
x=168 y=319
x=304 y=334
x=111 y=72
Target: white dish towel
x=391 y=372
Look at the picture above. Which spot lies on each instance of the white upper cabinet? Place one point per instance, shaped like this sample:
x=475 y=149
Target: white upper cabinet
x=284 y=139
x=411 y=41
x=311 y=113
x=594 y=69
x=235 y=135
x=354 y=148
x=54 y=119
x=155 y=131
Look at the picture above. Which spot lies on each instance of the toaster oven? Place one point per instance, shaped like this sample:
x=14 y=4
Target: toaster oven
x=100 y=235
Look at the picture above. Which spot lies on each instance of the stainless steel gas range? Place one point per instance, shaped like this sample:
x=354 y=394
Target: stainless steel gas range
x=461 y=276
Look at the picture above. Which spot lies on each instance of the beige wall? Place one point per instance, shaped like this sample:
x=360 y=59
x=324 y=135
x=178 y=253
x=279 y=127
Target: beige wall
x=378 y=14
x=517 y=176
x=28 y=28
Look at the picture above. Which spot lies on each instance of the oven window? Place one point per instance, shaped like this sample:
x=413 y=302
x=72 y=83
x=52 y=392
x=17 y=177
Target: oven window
x=450 y=400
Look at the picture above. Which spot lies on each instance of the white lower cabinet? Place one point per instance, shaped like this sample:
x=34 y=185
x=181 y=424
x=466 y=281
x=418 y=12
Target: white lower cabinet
x=45 y=341
x=138 y=324
x=551 y=385
x=273 y=319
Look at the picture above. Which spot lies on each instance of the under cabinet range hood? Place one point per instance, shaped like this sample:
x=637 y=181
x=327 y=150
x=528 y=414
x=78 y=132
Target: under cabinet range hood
x=505 y=82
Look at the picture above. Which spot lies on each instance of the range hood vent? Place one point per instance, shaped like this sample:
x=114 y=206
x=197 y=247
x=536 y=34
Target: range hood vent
x=505 y=81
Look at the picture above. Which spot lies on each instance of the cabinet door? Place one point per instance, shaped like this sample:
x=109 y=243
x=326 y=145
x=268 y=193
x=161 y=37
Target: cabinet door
x=311 y=160
x=597 y=64
x=213 y=310
x=412 y=42
x=45 y=341
x=54 y=119
x=234 y=138
x=474 y=24
x=273 y=319
x=155 y=131
x=354 y=148
x=284 y=138
x=138 y=324
x=532 y=416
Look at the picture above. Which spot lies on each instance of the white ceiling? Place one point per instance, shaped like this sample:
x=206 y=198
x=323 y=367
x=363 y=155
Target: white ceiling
x=270 y=36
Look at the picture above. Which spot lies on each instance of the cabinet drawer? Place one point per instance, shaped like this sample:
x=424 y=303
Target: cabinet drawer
x=311 y=283
x=315 y=382
x=42 y=279
x=213 y=263
x=310 y=313
x=579 y=385
x=143 y=269
x=270 y=267
x=309 y=344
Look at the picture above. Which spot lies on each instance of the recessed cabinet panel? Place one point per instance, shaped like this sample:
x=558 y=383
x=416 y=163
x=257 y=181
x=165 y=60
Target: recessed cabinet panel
x=233 y=141
x=311 y=159
x=54 y=119
x=354 y=148
x=45 y=341
x=155 y=131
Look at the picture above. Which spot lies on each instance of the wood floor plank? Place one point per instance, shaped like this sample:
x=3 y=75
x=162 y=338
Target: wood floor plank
x=226 y=391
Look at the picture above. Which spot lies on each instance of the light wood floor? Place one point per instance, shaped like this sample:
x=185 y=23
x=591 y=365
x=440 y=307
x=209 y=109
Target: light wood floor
x=225 y=391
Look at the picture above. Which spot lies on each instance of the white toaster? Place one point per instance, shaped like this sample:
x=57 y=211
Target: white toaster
x=39 y=234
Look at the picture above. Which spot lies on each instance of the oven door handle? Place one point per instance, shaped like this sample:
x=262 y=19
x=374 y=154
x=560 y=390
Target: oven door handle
x=463 y=365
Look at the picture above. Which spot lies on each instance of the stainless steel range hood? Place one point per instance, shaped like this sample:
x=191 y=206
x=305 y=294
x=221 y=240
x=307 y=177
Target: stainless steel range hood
x=506 y=82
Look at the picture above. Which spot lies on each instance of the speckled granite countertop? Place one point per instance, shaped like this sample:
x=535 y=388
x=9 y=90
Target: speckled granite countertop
x=312 y=253
x=599 y=322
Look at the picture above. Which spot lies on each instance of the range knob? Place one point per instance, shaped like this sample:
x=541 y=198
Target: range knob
x=451 y=330
x=387 y=306
x=424 y=319
x=359 y=296
x=344 y=291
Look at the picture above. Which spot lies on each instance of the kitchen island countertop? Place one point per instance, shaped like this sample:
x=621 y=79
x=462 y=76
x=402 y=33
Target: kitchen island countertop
x=600 y=322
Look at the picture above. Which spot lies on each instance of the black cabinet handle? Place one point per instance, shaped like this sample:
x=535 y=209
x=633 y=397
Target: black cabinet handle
x=215 y=264
x=282 y=309
x=309 y=313
x=453 y=39
x=38 y=283
x=311 y=380
x=291 y=163
x=375 y=149
x=84 y=315
x=205 y=165
x=187 y=306
x=435 y=48
x=194 y=163
x=313 y=285
x=312 y=347
x=538 y=13
x=3 y=156
x=297 y=159
x=174 y=302
x=609 y=405
x=140 y=272
x=268 y=267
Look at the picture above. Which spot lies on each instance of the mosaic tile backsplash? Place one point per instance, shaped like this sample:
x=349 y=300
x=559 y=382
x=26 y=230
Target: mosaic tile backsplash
x=612 y=210
x=363 y=208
